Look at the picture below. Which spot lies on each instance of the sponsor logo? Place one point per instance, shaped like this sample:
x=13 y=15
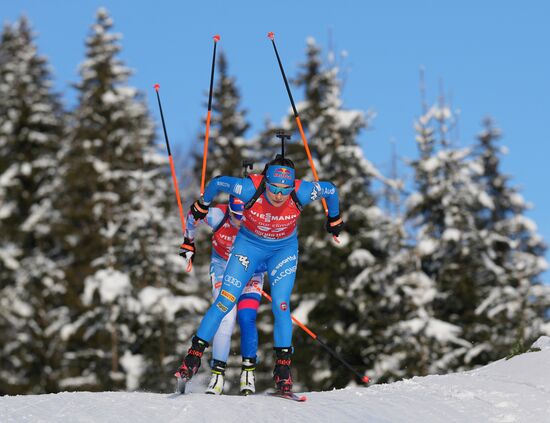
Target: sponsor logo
x=217 y=285
x=233 y=281
x=221 y=306
x=238 y=189
x=223 y=184
x=284 y=306
x=243 y=260
x=227 y=295
x=281 y=173
x=268 y=217
x=288 y=271
x=282 y=263
x=314 y=195
x=226 y=237
x=329 y=191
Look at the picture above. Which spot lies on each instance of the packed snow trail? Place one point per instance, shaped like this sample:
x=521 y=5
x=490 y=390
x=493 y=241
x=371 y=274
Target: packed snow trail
x=515 y=390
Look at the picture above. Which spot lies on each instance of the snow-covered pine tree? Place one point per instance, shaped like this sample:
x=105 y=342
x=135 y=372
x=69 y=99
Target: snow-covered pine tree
x=121 y=230
x=326 y=270
x=416 y=341
x=449 y=245
x=31 y=283
x=514 y=300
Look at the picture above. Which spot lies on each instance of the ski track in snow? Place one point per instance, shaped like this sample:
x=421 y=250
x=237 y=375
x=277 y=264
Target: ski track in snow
x=513 y=391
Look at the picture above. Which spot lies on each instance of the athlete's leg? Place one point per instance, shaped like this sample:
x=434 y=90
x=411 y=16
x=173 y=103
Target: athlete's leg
x=249 y=301
x=282 y=273
x=240 y=267
x=221 y=343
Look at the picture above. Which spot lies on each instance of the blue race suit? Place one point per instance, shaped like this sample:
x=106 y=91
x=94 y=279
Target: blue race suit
x=256 y=244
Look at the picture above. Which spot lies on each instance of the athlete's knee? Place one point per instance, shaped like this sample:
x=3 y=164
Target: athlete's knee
x=280 y=308
x=247 y=316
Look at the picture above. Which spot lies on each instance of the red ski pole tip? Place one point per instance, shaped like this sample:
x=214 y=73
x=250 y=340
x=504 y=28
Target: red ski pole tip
x=271 y=35
x=157 y=86
x=365 y=379
x=216 y=38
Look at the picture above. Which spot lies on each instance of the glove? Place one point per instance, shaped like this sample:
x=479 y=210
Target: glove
x=199 y=210
x=335 y=225
x=187 y=250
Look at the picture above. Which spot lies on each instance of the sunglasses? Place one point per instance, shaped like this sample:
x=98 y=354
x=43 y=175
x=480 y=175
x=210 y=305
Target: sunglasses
x=276 y=190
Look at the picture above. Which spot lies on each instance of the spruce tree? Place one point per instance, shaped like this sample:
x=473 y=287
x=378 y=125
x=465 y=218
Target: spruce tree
x=326 y=270
x=515 y=300
x=120 y=227
x=417 y=340
x=31 y=283
x=450 y=246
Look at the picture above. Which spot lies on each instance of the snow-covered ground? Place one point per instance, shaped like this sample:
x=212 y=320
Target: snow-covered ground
x=515 y=390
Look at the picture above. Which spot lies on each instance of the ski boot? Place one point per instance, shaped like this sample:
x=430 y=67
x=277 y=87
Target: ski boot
x=215 y=387
x=281 y=373
x=248 y=385
x=191 y=363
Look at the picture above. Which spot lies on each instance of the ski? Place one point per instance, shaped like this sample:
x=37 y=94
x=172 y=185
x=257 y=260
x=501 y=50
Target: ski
x=288 y=395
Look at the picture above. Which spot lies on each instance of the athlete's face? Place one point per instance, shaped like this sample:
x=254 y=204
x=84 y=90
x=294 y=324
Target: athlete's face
x=279 y=198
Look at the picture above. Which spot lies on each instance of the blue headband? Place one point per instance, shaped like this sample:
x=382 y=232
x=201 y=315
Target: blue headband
x=277 y=174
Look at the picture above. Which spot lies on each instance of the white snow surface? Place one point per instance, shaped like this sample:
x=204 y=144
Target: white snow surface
x=515 y=390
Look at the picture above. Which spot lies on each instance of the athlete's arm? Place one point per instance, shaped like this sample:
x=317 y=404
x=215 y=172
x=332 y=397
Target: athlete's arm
x=313 y=191
x=213 y=219
x=242 y=188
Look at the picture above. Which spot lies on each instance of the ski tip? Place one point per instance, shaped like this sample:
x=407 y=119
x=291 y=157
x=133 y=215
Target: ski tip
x=157 y=86
x=216 y=38
x=271 y=35
x=365 y=379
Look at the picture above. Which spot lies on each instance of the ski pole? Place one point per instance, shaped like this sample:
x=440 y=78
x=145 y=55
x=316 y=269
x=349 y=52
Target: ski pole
x=271 y=36
x=364 y=379
x=174 y=179
x=207 y=132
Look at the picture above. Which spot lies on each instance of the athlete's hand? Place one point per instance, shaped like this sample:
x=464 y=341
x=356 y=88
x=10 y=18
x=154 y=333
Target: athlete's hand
x=187 y=251
x=335 y=225
x=199 y=210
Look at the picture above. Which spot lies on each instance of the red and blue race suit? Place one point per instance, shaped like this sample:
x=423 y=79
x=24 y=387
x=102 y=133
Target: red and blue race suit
x=267 y=236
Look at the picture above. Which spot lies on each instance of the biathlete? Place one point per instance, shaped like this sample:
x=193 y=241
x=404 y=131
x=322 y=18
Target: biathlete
x=225 y=220
x=273 y=203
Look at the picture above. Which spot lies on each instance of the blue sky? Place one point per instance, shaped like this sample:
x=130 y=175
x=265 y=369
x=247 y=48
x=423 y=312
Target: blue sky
x=492 y=57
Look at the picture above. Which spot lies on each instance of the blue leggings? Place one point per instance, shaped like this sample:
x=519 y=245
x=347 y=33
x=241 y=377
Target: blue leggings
x=281 y=258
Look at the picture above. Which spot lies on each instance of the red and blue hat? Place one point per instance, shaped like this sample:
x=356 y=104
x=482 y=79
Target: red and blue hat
x=277 y=174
